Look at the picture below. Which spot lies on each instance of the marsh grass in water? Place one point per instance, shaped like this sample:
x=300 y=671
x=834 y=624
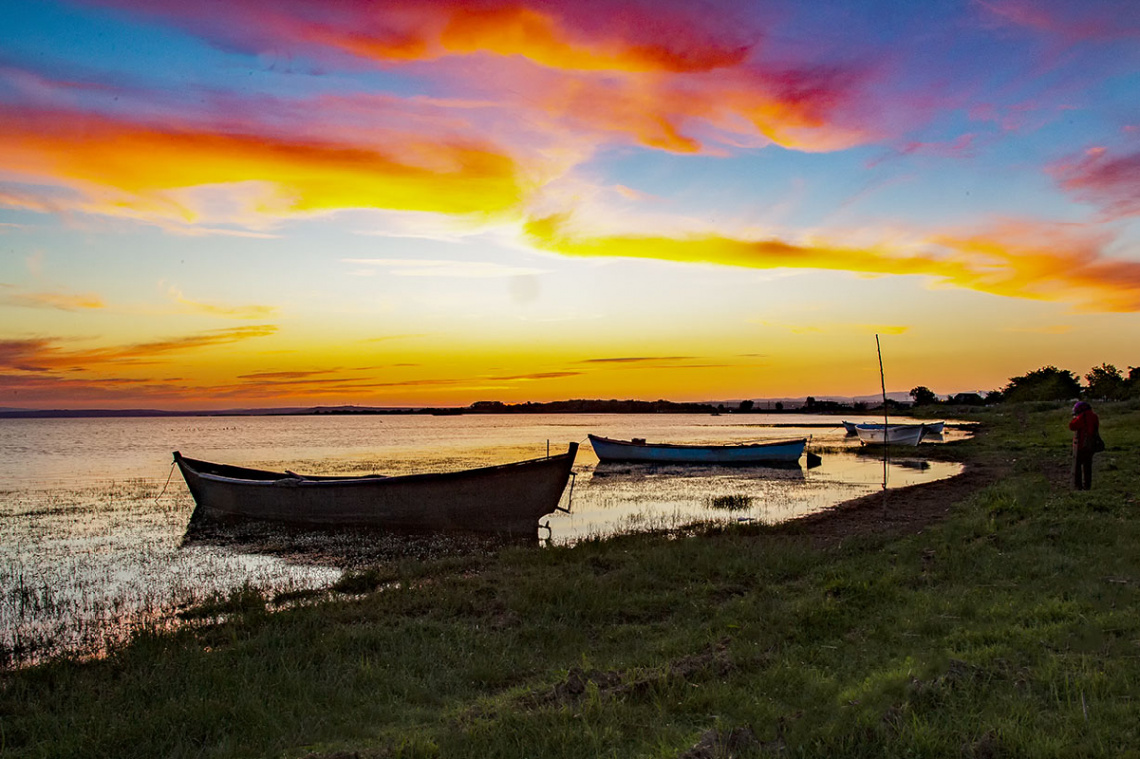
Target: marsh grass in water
x=86 y=559
x=734 y=502
x=1010 y=629
x=81 y=569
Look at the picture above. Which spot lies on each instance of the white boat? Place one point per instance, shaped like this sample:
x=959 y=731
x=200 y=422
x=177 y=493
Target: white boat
x=894 y=434
x=931 y=427
x=637 y=450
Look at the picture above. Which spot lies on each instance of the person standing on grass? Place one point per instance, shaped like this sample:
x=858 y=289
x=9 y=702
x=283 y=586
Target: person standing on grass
x=1085 y=425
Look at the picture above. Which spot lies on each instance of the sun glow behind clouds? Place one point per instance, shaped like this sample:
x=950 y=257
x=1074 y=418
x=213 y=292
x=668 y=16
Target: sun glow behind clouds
x=547 y=195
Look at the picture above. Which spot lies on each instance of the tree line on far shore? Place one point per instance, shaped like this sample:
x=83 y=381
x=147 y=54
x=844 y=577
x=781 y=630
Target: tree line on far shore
x=1104 y=382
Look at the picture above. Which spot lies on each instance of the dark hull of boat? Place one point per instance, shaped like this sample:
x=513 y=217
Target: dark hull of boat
x=506 y=499
x=787 y=451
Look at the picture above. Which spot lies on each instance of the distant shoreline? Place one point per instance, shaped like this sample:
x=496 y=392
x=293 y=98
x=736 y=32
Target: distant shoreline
x=481 y=407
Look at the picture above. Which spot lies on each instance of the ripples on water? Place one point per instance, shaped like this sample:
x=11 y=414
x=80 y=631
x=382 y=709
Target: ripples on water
x=93 y=531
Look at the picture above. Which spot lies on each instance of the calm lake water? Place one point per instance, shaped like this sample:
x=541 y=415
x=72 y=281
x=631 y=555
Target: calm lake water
x=92 y=518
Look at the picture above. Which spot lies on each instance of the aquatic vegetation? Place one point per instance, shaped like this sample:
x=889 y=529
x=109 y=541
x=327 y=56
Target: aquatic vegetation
x=88 y=561
x=82 y=570
x=734 y=502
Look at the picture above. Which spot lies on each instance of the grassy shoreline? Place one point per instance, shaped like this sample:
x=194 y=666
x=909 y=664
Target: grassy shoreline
x=1005 y=626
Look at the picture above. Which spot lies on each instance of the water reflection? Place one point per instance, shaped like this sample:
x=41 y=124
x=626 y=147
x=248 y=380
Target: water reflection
x=81 y=569
x=784 y=471
x=93 y=539
x=354 y=548
x=613 y=498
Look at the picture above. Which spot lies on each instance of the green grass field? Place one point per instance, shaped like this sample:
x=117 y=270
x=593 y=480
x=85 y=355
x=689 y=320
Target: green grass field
x=1010 y=629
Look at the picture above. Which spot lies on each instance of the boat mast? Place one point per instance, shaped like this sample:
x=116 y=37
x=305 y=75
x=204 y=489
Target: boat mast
x=886 y=428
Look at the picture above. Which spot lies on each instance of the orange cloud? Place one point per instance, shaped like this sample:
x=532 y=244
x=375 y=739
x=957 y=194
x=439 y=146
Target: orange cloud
x=634 y=359
x=26 y=387
x=145 y=163
x=61 y=301
x=295 y=375
x=213 y=309
x=1055 y=262
x=76 y=392
x=534 y=376
x=48 y=355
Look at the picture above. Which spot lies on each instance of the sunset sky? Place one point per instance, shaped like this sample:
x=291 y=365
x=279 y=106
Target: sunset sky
x=238 y=203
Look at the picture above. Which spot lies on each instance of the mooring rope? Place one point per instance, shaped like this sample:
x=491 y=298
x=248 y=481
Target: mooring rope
x=168 y=476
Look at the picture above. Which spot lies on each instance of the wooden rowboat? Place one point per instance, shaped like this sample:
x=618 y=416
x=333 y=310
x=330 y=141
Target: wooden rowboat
x=504 y=499
x=785 y=451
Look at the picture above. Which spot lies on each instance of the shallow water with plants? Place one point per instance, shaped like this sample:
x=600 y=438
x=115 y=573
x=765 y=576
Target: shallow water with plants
x=1003 y=625
x=94 y=519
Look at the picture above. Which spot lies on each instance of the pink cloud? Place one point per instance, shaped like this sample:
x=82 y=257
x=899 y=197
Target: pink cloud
x=666 y=75
x=566 y=34
x=1109 y=181
x=1072 y=22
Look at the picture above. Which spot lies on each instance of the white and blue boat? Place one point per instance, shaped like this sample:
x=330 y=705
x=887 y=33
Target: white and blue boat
x=929 y=428
x=638 y=450
x=895 y=434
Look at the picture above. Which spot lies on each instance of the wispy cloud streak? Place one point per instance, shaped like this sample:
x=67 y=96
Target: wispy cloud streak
x=1040 y=261
x=12 y=296
x=50 y=355
x=214 y=309
x=1111 y=182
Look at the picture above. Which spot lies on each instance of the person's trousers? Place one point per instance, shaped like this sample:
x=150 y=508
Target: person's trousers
x=1082 y=470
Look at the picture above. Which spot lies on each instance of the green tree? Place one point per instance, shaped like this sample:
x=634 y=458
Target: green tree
x=1106 y=383
x=1132 y=383
x=923 y=396
x=1045 y=384
x=746 y=406
x=966 y=399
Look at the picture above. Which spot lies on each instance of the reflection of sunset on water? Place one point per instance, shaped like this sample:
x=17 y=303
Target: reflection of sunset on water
x=95 y=520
